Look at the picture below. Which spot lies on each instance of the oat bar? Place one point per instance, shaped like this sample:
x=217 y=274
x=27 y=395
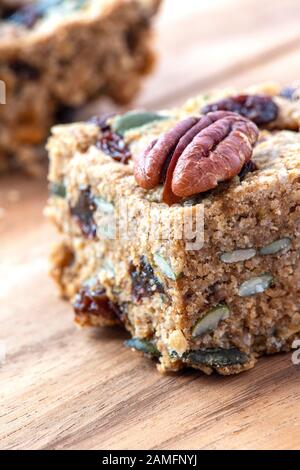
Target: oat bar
x=226 y=161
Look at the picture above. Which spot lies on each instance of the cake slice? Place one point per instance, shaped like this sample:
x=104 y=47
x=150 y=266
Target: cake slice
x=183 y=225
x=56 y=55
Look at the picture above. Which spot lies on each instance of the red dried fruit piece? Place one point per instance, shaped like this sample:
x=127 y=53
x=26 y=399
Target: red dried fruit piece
x=260 y=109
x=144 y=281
x=94 y=301
x=199 y=152
x=83 y=213
x=111 y=143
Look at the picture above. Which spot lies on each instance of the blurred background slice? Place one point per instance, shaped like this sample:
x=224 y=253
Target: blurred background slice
x=57 y=55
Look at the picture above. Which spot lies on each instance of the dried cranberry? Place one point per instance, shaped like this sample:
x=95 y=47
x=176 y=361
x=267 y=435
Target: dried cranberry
x=113 y=145
x=110 y=142
x=83 y=213
x=144 y=282
x=249 y=167
x=260 y=109
x=94 y=301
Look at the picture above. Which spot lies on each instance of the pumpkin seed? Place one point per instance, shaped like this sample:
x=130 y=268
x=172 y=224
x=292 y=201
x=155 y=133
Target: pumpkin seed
x=275 y=247
x=58 y=189
x=238 y=255
x=210 y=320
x=216 y=357
x=165 y=267
x=256 y=285
x=134 y=119
x=147 y=347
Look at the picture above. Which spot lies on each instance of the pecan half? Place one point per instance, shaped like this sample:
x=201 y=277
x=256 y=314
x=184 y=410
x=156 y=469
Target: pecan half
x=198 y=154
x=148 y=167
x=260 y=109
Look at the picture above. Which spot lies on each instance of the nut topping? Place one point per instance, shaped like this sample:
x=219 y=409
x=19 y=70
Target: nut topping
x=148 y=168
x=197 y=154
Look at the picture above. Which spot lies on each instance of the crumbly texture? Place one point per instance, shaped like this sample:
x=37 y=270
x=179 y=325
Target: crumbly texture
x=211 y=307
x=67 y=57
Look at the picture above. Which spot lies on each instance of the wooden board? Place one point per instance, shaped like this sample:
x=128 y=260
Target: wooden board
x=66 y=389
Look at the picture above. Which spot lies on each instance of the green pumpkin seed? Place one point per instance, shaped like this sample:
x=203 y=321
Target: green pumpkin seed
x=276 y=247
x=58 y=189
x=165 y=267
x=210 y=320
x=238 y=255
x=147 y=347
x=256 y=285
x=216 y=357
x=134 y=119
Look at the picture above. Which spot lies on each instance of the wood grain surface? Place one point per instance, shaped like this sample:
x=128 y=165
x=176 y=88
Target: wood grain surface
x=61 y=388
